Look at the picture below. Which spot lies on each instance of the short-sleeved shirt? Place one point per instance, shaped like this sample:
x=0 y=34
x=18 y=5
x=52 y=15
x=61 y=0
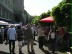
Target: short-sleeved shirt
x=11 y=33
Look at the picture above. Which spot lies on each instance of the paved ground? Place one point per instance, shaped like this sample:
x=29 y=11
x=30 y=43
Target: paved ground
x=4 y=49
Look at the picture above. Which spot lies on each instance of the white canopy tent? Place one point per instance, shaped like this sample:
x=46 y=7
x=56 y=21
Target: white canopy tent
x=3 y=23
x=14 y=24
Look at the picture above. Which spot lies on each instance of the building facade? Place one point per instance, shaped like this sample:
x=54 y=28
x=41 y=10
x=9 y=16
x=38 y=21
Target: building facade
x=19 y=10
x=12 y=9
x=6 y=9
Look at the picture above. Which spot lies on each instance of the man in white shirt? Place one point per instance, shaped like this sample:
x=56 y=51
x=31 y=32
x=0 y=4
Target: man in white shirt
x=29 y=37
x=40 y=36
x=11 y=36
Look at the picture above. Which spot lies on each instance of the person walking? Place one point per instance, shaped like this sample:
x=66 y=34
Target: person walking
x=29 y=37
x=52 y=37
x=5 y=34
x=19 y=37
x=41 y=36
x=2 y=33
x=60 y=35
x=33 y=31
x=11 y=37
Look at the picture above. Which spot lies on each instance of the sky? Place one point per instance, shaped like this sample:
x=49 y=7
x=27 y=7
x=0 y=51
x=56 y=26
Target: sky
x=37 y=7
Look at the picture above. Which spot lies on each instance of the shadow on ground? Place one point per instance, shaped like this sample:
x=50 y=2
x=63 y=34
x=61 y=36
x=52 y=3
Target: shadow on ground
x=34 y=44
x=32 y=52
x=26 y=44
x=1 y=52
x=45 y=51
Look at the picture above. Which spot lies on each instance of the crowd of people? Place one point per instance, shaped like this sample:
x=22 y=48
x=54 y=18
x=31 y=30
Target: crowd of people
x=52 y=34
x=12 y=33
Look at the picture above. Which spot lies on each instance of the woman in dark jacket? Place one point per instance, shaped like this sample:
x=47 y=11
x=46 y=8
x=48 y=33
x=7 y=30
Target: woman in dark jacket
x=19 y=37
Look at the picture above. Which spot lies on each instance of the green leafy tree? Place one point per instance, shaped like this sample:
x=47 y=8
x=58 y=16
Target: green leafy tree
x=62 y=13
x=35 y=19
x=56 y=13
x=48 y=13
x=66 y=1
x=43 y=15
x=66 y=11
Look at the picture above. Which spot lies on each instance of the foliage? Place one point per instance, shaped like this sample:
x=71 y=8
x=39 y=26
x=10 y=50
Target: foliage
x=43 y=15
x=66 y=11
x=66 y=1
x=35 y=19
x=62 y=13
x=56 y=13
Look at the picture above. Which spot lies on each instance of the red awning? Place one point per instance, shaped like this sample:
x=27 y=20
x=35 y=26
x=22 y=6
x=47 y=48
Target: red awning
x=47 y=19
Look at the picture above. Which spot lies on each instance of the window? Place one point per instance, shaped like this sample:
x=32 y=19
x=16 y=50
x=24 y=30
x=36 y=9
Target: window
x=0 y=12
x=3 y=13
x=6 y=2
x=2 y=0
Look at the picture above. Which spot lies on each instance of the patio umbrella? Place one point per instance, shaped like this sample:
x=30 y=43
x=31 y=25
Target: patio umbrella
x=47 y=19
